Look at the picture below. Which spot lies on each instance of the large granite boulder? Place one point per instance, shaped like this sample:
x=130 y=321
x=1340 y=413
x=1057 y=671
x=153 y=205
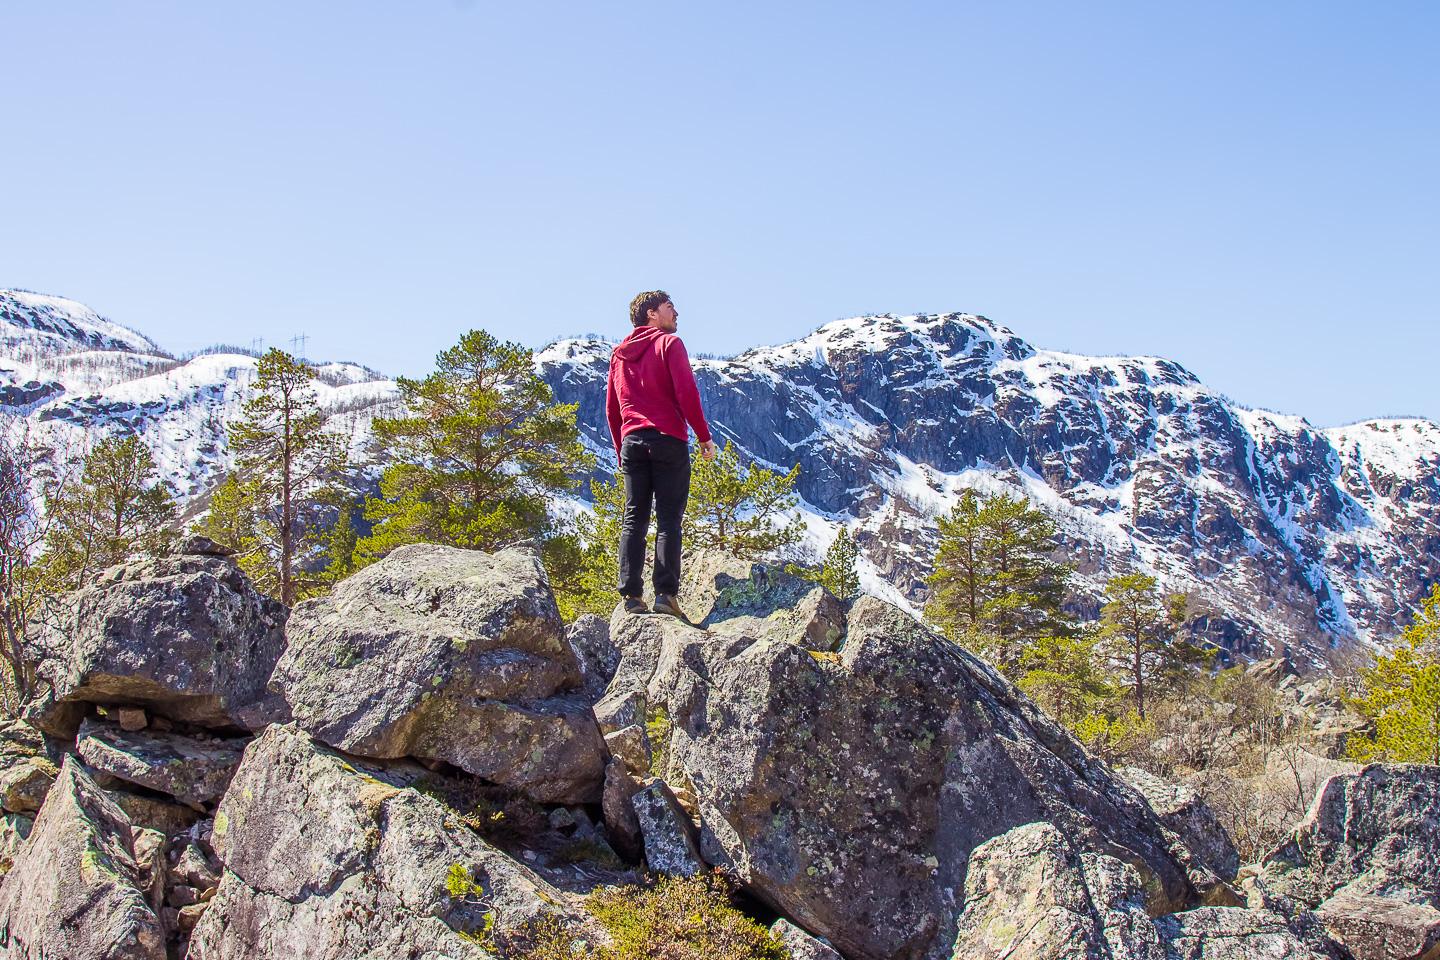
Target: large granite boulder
x=1232 y=933
x=329 y=858
x=1378 y=928
x=185 y=636
x=1030 y=895
x=1375 y=832
x=84 y=886
x=192 y=770
x=447 y=654
x=1183 y=811
x=26 y=768
x=849 y=790
x=759 y=600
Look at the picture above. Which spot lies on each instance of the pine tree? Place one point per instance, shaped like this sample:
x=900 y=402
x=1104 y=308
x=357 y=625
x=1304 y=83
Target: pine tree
x=289 y=469
x=1400 y=693
x=476 y=458
x=597 y=569
x=837 y=570
x=745 y=511
x=995 y=586
x=28 y=481
x=1141 y=629
x=1064 y=675
x=117 y=507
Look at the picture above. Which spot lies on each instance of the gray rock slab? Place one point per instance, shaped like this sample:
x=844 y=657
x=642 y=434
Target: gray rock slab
x=191 y=770
x=82 y=885
x=1182 y=810
x=447 y=654
x=330 y=858
x=185 y=637
x=721 y=592
x=1374 y=832
x=1030 y=895
x=802 y=946
x=1231 y=933
x=1378 y=928
x=26 y=771
x=14 y=831
x=849 y=791
x=622 y=826
x=589 y=638
x=668 y=835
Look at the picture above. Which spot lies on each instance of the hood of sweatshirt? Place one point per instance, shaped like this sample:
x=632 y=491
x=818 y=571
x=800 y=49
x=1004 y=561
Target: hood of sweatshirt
x=640 y=342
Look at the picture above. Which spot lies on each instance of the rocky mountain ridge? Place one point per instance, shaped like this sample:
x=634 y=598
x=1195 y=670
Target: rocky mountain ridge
x=187 y=788
x=1297 y=540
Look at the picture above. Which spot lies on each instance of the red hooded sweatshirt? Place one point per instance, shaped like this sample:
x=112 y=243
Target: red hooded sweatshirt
x=651 y=385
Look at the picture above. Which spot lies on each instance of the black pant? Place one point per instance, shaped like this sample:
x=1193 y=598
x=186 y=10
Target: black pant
x=655 y=466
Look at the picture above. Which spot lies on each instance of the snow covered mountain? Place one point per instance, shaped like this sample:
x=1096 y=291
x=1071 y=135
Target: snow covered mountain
x=76 y=377
x=1295 y=539
x=1292 y=538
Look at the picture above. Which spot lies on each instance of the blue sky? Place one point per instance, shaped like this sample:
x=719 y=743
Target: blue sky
x=1249 y=189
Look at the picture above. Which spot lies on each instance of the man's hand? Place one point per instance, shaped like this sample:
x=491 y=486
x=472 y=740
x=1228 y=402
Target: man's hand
x=708 y=449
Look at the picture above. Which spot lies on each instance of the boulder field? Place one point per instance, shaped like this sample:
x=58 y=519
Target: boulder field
x=427 y=762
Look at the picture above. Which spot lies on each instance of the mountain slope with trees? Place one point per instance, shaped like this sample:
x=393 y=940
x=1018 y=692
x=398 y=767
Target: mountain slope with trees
x=1292 y=538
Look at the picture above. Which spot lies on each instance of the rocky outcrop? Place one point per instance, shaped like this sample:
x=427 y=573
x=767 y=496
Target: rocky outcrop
x=849 y=790
x=1378 y=928
x=447 y=654
x=85 y=885
x=26 y=769
x=800 y=944
x=759 y=600
x=1375 y=832
x=1183 y=811
x=1030 y=895
x=668 y=836
x=190 y=769
x=589 y=639
x=391 y=873
x=1230 y=933
x=185 y=636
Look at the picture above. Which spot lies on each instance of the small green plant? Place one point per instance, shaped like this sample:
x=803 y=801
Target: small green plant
x=658 y=728
x=678 y=918
x=463 y=888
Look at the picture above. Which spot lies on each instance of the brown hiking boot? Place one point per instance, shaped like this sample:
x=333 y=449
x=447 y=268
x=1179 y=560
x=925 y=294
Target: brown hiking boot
x=635 y=605
x=665 y=603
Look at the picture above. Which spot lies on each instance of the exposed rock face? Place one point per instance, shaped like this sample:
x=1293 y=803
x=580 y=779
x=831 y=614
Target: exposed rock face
x=447 y=654
x=14 y=831
x=1377 y=928
x=26 y=771
x=376 y=880
x=801 y=945
x=1029 y=895
x=1182 y=810
x=186 y=637
x=83 y=887
x=190 y=770
x=849 y=790
x=759 y=600
x=1376 y=832
x=668 y=836
x=1230 y=933
x=589 y=638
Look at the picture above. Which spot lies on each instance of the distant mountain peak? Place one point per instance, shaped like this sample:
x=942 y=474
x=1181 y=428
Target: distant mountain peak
x=49 y=325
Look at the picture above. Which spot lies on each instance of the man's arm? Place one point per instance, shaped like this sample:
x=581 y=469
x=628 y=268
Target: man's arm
x=612 y=409
x=687 y=393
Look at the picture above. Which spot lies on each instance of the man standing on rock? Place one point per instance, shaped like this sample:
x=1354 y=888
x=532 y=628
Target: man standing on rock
x=650 y=396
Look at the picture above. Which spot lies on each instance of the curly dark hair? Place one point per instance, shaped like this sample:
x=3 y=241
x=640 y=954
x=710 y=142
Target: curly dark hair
x=645 y=302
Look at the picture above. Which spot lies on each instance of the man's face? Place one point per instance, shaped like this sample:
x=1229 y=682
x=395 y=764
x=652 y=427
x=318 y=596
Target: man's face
x=663 y=317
